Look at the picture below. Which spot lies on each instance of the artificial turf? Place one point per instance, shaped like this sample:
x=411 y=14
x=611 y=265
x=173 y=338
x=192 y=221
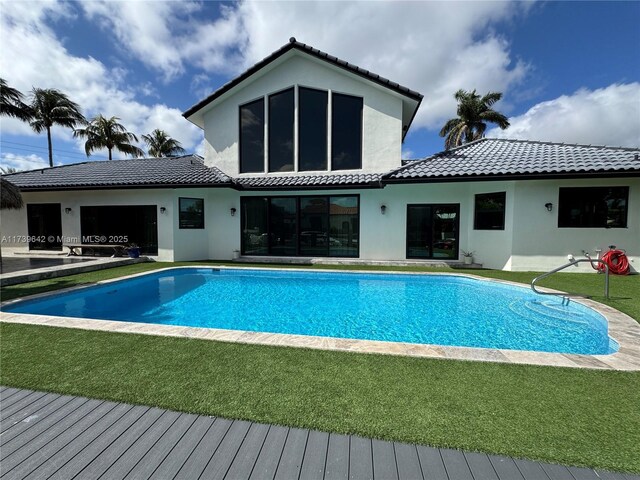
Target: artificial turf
x=573 y=416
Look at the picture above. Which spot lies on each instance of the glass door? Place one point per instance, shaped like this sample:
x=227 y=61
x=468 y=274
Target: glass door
x=44 y=224
x=432 y=231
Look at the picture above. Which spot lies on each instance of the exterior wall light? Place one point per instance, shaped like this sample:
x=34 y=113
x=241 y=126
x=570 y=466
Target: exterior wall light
x=163 y=209
x=233 y=211
x=67 y=210
x=383 y=208
x=548 y=206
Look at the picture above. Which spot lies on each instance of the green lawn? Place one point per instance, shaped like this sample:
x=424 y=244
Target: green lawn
x=580 y=417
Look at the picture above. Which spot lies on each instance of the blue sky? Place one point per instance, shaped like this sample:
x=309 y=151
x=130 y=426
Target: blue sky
x=570 y=71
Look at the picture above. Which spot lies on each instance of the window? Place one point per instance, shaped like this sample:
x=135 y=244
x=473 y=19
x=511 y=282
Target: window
x=432 y=231
x=137 y=223
x=312 y=129
x=346 y=132
x=191 y=213
x=312 y=132
x=254 y=214
x=283 y=226
x=252 y=137
x=489 y=211
x=593 y=207
x=281 y=131
x=344 y=226
x=313 y=226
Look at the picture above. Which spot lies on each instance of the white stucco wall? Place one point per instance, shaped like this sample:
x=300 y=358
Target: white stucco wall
x=190 y=243
x=531 y=239
x=382 y=113
x=14 y=222
x=538 y=243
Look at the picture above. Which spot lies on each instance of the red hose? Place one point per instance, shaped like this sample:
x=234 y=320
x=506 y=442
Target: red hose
x=617 y=262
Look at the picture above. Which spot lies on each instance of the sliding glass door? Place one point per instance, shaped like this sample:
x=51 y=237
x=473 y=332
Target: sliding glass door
x=432 y=231
x=308 y=226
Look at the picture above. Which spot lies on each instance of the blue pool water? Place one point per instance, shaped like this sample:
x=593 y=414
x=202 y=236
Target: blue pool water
x=430 y=309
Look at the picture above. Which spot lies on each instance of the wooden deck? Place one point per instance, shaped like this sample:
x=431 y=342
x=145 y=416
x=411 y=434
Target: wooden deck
x=45 y=435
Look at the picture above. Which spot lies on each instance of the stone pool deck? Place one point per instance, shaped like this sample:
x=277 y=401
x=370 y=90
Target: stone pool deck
x=80 y=265
x=622 y=328
x=46 y=435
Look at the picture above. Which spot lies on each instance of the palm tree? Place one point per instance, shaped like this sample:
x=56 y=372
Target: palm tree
x=10 y=199
x=52 y=107
x=473 y=114
x=11 y=104
x=160 y=144
x=108 y=133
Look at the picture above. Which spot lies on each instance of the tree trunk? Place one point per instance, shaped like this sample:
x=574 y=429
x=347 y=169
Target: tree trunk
x=50 y=147
x=109 y=154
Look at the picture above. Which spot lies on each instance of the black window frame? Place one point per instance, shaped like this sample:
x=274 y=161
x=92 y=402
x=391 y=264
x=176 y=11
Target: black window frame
x=326 y=129
x=457 y=229
x=270 y=130
x=298 y=222
x=476 y=220
x=564 y=218
x=333 y=143
x=128 y=223
x=180 y=225
x=41 y=239
x=240 y=163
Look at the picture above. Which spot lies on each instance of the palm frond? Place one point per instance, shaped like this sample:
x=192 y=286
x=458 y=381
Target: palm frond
x=10 y=197
x=107 y=133
x=11 y=103
x=160 y=144
x=474 y=112
x=495 y=117
x=491 y=98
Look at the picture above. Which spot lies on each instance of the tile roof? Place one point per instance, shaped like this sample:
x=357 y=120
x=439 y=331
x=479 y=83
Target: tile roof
x=148 y=172
x=332 y=180
x=482 y=159
x=294 y=44
x=490 y=157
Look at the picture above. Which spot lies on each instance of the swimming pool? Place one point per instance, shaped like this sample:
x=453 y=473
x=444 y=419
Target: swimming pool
x=426 y=309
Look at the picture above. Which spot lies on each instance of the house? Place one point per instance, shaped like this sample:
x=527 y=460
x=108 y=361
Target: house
x=303 y=160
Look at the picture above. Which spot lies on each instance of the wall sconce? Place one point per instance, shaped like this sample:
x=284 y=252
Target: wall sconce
x=67 y=210
x=383 y=208
x=233 y=211
x=163 y=209
x=548 y=206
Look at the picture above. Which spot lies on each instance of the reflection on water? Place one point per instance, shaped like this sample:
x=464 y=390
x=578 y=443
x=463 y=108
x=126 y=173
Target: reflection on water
x=442 y=309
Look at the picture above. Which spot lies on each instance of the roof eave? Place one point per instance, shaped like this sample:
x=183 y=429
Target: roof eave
x=264 y=188
x=60 y=188
x=513 y=176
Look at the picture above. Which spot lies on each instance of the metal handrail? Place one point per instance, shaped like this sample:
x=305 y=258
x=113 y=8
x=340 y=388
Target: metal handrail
x=574 y=262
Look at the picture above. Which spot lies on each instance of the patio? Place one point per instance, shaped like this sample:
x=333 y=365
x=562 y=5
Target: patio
x=59 y=436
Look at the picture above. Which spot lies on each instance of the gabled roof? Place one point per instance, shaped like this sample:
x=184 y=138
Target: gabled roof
x=188 y=170
x=314 y=52
x=489 y=158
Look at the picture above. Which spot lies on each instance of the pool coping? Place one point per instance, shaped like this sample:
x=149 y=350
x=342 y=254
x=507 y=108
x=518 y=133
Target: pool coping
x=622 y=328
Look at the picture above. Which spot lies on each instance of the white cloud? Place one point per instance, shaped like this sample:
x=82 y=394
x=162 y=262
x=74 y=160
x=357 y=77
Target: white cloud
x=23 y=162
x=433 y=47
x=407 y=154
x=606 y=116
x=45 y=62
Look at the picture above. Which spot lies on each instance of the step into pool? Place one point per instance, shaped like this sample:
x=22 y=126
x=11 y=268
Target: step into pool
x=427 y=309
